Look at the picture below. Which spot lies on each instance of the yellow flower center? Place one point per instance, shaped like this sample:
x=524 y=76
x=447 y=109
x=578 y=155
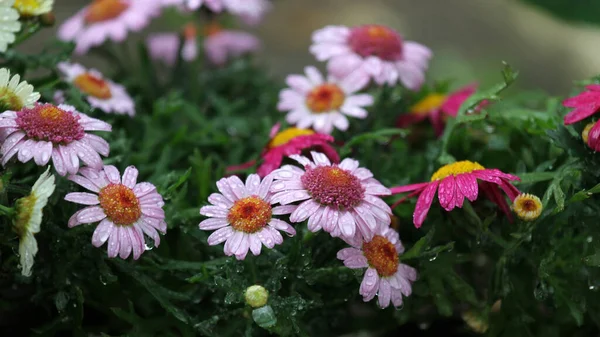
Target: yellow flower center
x=455 y=169
x=381 y=255
x=249 y=214
x=528 y=207
x=105 y=10
x=427 y=104
x=325 y=98
x=93 y=86
x=586 y=132
x=286 y=135
x=24 y=208
x=28 y=7
x=120 y=204
x=9 y=100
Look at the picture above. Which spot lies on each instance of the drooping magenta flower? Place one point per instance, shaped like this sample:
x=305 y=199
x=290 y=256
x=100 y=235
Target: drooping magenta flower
x=591 y=135
x=220 y=44
x=47 y=132
x=289 y=142
x=101 y=93
x=454 y=182
x=313 y=101
x=165 y=46
x=125 y=208
x=586 y=104
x=376 y=50
x=107 y=20
x=341 y=199
x=243 y=216
x=436 y=107
x=385 y=277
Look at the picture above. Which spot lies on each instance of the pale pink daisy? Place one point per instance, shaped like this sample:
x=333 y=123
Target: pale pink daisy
x=343 y=198
x=221 y=45
x=250 y=11
x=47 y=132
x=165 y=46
x=107 y=19
x=243 y=216
x=376 y=50
x=101 y=93
x=126 y=210
x=385 y=277
x=323 y=104
x=214 y=5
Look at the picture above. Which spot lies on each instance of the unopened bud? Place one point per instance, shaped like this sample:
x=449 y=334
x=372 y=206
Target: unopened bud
x=256 y=296
x=48 y=19
x=527 y=207
x=264 y=317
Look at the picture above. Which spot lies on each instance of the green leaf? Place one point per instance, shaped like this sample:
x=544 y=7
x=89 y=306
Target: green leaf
x=382 y=135
x=419 y=247
x=584 y=194
x=534 y=177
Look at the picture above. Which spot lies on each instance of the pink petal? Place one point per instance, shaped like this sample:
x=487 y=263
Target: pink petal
x=112 y=174
x=347 y=253
x=130 y=176
x=446 y=192
x=255 y=245
x=356 y=261
x=102 y=232
x=252 y=184
x=214 y=211
x=314 y=221
x=385 y=293
x=369 y=284
x=213 y=223
x=219 y=200
x=137 y=241
x=266 y=238
x=220 y=235
x=125 y=244
x=281 y=210
x=408 y=188
x=467 y=183
x=233 y=243
x=83 y=198
x=347 y=224
x=304 y=210
x=114 y=242
x=424 y=203
x=282 y=226
x=90 y=214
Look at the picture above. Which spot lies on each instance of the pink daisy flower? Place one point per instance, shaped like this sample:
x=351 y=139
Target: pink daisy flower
x=107 y=19
x=436 y=107
x=126 y=209
x=243 y=216
x=165 y=46
x=455 y=182
x=586 y=104
x=341 y=199
x=220 y=45
x=47 y=132
x=323 y=104
x=101 y=93
x=250 y=11
x=376 y=50
x=286 y=143
x=213 y=5
x=385 y=277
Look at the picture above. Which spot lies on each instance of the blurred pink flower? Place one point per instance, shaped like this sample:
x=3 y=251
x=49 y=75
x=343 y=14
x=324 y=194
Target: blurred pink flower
x=165 y=46
x=376 y=50
x=586 y=104
x=126 y=210
x=220 y=45
x=47 y=132
x=107 y=19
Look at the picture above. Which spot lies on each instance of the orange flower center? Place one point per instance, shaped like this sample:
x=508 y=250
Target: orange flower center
x=429 y=103
x=376 y=40
x=93 y=86
x=455 y=169
x=211 y=29
x=120 y=204
x=325 y=98
x=249 y=214
x=381 y=255
x=105 y=10
x=286 y=135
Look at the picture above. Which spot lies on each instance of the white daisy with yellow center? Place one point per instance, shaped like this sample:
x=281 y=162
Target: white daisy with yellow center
x=9 y=24
x=28 y=219
x=14 y=94
x=33 y=7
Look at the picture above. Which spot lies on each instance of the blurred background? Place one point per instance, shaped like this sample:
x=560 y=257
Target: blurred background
x=469 y=38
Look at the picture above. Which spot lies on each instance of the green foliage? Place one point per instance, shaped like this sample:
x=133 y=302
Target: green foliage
x=585 y=11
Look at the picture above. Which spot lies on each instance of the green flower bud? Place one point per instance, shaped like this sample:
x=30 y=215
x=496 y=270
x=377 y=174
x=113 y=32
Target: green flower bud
x=256 y=296
x=264 y=317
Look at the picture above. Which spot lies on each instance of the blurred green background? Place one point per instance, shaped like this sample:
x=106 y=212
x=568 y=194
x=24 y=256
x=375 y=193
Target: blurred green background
x=470 y=38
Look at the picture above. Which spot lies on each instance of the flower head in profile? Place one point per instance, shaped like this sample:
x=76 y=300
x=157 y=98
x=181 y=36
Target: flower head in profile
x=221 y=45
x=378 y=51
x=436 y=107
x=342 y=199
x=242 y=216
x=28 y=219
x=29 y=8
x=585 y=104
x=527 y=207
x=385 y=277
x=323 y=104
x=289 y=142
x=15 y=95
x=165 y=46
x=458 y=180
x=46 y=132
x=125 y=208
x=101 y=93
x=591 y=136
x=9 y=24
x=107 y=20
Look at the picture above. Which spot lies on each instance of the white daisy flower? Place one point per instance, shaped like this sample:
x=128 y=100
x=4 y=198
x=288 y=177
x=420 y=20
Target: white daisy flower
x=29 y=218
x=9 y=24
x=33 y=7
x=15 y=95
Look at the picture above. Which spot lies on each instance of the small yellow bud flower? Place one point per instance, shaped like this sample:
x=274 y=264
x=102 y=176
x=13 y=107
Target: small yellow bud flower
x=527 y=207
x=586 y=131
x=476 y=322
x=256 y=296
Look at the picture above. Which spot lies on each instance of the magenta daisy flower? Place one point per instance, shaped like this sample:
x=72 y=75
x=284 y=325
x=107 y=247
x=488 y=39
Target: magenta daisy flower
x=323 y=104
x=243 y=216
x=586 y=104
x=107 y=19
x=126 y=210
x=376 y=50
x=101 y=93
x=456 y=181
x=385 y=277
x=47 y=132
x=221 y=45
x=341 y=199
